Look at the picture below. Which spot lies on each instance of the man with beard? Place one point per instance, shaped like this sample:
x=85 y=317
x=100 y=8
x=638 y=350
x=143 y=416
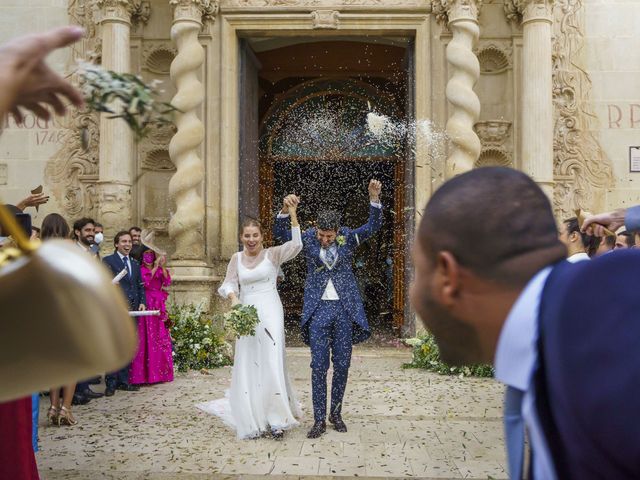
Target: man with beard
x=565 y=346
x=83 y=234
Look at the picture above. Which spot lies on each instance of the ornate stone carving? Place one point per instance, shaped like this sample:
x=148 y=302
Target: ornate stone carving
x=326 y=3
x=519 y=11
x=158 y=224
x=114 y=10
x=140 y=11
x=494 y=157
x=200 y=10
x=157 y=56
x=494 y=58
x=447 y=11
x=73 y=170
x=326 y=19
x=462 y=17
x=185 y=227
x=158 y=160
x=493 y=132
x=582 y=170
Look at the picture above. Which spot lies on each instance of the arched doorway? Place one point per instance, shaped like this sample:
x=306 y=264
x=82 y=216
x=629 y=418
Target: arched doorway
x=314 y=142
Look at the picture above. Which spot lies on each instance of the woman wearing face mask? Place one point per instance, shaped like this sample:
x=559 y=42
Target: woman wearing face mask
x=153 y=362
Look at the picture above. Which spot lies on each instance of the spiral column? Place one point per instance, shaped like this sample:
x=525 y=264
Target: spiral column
x=186 y=224
x=461 y=17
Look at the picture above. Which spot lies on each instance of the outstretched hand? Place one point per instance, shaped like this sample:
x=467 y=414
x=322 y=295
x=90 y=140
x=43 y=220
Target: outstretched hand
x=599 y=224
x=26 y=81
x=375 y=188
x=289 y=202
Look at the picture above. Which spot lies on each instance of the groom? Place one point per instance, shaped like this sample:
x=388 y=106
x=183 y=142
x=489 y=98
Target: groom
x=333 y=318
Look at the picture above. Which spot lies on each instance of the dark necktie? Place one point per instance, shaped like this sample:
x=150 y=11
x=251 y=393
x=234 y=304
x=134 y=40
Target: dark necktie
x=126 y=265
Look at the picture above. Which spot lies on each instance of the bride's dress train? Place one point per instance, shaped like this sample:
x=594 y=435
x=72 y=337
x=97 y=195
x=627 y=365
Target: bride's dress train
x=261 y=397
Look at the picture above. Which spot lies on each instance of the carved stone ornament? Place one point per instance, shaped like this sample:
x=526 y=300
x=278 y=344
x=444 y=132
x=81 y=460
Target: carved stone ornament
x=494 y=58
x=493 y=132
x=447 y=11
x=199 y=10
x=582 y=170
x=113 y=10
x=158 y=160
x=141 y=11
x=519 y=11
x=325 y=19
x=157 y=56
x=494 y=157
x=325 y=3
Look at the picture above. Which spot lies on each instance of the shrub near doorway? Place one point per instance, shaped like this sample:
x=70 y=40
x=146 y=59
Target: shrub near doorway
x=427 y=355
x=197 y=343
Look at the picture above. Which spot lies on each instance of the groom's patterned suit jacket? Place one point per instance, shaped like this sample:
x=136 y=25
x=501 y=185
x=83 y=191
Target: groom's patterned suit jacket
x=342 y=276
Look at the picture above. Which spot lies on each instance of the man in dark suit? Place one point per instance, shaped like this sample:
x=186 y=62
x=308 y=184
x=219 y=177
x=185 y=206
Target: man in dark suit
x=564 y=343
x=133 y=289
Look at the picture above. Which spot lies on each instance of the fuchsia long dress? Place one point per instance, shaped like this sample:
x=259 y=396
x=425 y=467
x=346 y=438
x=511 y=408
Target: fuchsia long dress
x=153 y=362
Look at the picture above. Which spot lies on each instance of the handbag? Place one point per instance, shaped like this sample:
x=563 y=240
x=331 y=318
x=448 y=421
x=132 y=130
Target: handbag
x=61 y=318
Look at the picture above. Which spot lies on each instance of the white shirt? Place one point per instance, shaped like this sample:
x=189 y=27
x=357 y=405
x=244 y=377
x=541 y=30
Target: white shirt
x=515 y=362
x=128 y=262
x=578 y=257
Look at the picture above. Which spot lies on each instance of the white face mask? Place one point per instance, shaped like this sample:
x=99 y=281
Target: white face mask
x=98 y=238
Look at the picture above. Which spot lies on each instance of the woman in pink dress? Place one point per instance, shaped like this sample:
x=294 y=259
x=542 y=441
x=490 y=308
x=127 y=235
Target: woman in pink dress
x=153 y=362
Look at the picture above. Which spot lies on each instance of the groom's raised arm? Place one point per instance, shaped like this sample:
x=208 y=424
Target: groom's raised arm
x=374 y=223
x=282 y=227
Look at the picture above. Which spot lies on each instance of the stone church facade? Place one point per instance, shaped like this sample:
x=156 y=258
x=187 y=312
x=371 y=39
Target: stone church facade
x=548 y=87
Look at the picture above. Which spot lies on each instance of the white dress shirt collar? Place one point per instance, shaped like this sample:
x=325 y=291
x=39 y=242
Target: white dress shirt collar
x=516 y=354
x=578 y=257
x=122 y=256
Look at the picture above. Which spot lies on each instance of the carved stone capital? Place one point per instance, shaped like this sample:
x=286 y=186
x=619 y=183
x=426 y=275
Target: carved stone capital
x=449 y=11
x=199 y=11
x=523 y=11
x=114 y=11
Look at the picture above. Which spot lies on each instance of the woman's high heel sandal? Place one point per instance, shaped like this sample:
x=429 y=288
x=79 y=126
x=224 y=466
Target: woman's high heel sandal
x=65 y=417
x=52 y=415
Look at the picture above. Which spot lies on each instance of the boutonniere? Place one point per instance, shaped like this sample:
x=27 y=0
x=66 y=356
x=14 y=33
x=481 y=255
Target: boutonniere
x=340 y=240
x=319 y=269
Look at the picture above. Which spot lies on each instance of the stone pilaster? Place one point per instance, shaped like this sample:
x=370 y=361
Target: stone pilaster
x=537 y=88
x=116 y=141
x=192 y=274
x=461 y=17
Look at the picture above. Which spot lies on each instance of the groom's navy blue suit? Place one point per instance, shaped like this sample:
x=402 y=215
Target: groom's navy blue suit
x=588 y=380
x=332 y=325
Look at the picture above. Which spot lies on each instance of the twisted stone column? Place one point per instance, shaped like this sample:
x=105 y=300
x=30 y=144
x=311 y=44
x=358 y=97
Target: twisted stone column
x=462 y=19
x=185 y=227
x=537 y=88
x=116 y=141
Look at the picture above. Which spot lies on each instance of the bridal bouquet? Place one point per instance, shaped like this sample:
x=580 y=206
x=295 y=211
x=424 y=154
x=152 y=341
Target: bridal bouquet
x=242 y=320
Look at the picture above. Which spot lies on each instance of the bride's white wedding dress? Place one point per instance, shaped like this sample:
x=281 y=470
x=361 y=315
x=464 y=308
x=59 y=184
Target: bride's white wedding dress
x=261 y=397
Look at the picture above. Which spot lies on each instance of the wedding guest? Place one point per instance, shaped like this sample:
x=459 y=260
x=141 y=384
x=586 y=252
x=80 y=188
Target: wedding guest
x=27 y=82
x=580 y=246
x=98 y=238
x=607 y=245
x=35 y=233
x=153 y=362
x=624 y=239
x=133 y=290
x=136 y=248
x=54 y=226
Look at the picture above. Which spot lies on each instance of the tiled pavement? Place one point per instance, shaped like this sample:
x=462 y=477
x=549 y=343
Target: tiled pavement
x=402 y=423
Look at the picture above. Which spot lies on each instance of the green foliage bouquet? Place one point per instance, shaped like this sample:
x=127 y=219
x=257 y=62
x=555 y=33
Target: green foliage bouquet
x=197 y=342
x=124 y=96
x=427 y=355
x=242 y=320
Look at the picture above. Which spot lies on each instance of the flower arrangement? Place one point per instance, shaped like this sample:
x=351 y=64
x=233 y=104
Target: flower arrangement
x=197 y=342
x=124 y=96
x=427 y=355
x=242 y=320
x=341 y=240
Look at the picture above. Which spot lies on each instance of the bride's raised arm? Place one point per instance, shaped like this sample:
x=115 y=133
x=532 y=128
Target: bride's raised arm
x=288 y=250
x=230 y=287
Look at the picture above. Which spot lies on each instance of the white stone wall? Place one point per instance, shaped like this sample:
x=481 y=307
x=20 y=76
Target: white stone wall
x=612 y=60
x=24 y=150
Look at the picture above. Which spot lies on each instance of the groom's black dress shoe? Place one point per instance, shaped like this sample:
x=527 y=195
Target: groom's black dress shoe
x=338 y=424
x=318 y=429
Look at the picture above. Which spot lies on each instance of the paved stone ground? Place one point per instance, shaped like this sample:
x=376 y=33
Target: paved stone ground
x=402 y=423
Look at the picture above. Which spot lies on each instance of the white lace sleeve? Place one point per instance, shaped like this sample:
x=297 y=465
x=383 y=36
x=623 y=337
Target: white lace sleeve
x=230 y=284
x=285 y=252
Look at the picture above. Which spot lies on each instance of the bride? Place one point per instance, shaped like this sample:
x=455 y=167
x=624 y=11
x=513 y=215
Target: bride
x=261 y=399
